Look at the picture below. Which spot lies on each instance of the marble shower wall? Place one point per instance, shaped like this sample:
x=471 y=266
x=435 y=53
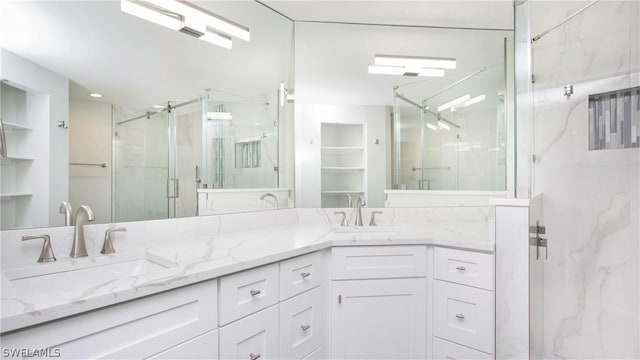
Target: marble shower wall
x=591 y=279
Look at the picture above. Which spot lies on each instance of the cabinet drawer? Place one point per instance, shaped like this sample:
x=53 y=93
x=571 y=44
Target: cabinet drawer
x=301 y=325
x=316 y=355
x=446 y=350
x=135 y=329
x=204 y=346
x=464 y=267
x=300 y=274
x=378 y=262
x=247 y=292
x=463 y=314
x=254 y=337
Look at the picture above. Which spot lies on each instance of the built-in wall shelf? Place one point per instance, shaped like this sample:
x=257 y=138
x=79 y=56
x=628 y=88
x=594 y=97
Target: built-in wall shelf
x=15 y=126
x=341 y=192
x=22 y=111
x=341 y=168
x=11 y=158
x=14 y=195
x=342 y=161
x=340 y=149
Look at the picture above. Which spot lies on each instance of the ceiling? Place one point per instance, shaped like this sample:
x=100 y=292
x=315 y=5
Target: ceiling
x=136 y=64
x=436 y=13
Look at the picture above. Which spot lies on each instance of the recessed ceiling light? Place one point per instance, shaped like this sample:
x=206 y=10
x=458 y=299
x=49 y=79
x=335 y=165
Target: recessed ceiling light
x=95 y=95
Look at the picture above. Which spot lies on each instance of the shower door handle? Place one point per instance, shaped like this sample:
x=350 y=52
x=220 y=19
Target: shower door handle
x=176 y=188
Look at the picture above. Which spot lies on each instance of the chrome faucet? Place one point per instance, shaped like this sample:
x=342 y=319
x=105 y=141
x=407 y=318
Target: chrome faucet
x=65 y=208
x=266 y=195
x=46 y=255
x=360 y=204
x=107 y=246
x=83 y=214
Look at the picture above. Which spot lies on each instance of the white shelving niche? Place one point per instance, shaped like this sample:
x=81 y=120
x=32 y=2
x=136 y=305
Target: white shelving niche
x=20 y=169
x=342 y=163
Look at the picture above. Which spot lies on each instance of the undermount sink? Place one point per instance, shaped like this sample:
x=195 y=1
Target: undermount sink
x=82 y=273
x=363 y=232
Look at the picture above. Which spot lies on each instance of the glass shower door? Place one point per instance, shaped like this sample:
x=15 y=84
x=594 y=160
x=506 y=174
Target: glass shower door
x=408 y=145
x=142 y=168
x=591 y=196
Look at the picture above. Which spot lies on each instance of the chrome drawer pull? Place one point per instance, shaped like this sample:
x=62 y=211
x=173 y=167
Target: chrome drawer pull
x=305 y=327
x=305 y=274
x=461 y=268
x=254 y=293
x=460 y=316
x=253 y=356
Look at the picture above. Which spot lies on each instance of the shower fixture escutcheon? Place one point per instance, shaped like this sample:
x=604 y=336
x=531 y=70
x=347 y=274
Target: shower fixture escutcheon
x=568 y=91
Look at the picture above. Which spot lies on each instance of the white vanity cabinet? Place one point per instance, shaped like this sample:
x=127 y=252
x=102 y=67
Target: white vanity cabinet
x=251 y=338
x=301 y=309
x=146 y=327
x=463 y=304
x=273 y=311
x=378 y=308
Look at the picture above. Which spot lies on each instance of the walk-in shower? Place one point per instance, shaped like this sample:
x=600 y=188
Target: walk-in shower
x=162 y=156
x=454 y=138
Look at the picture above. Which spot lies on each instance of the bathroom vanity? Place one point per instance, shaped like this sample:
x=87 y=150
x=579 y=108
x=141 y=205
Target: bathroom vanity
x=294 y=291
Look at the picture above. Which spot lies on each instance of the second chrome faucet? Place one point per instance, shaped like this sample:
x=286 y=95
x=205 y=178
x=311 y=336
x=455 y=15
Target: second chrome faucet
x=84 y=214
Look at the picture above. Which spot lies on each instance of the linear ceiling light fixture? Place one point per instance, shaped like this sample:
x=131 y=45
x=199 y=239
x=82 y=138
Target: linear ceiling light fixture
x=453 y=103
x=219 y=115
x=411 y=65
x=469 y=102
x=189 y=19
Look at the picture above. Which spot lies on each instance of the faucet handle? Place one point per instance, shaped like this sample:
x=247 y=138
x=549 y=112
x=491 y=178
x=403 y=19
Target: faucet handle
x=372 y=222
x=343 y=222
x=46 y=255
x=107 y=246
x=361 y=201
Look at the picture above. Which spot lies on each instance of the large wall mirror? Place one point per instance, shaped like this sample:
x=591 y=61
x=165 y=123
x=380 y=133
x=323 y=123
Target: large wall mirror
x=183 y=127
x=392 y=135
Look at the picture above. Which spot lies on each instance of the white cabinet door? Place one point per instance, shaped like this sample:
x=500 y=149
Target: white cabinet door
x=463 y=314
x=135 y=329
x=379 y=319
x=447 y=350
x=203 y=347
x=252 y=338
x=301 y=324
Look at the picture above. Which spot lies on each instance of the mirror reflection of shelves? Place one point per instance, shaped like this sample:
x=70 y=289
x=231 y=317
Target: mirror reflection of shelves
x=19 y=169
x=342 y=163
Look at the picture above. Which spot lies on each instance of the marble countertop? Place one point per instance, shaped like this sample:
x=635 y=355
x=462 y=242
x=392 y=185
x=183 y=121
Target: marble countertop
x=187 y=261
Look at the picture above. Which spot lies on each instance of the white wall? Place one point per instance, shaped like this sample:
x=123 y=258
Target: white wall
x=90 y=143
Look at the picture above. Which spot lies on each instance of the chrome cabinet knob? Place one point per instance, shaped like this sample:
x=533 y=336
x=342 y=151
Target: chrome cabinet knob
x=255 y=356
x=305 y=274
x=255 y=292
x=461 y=268
x=460 y=316
x=305 y=327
